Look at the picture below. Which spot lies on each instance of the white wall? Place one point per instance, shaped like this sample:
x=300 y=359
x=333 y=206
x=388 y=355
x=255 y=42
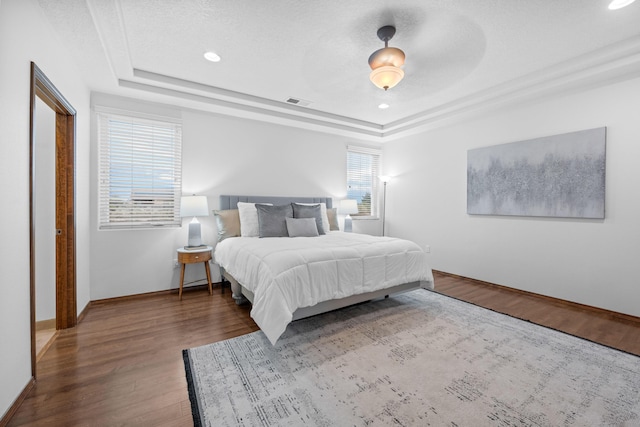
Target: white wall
x=22 y=21
x=220 y=155
x=587 y=261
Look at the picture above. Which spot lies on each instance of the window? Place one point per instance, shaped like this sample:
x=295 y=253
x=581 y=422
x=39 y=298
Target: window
x=363 y=167
x=139 y=172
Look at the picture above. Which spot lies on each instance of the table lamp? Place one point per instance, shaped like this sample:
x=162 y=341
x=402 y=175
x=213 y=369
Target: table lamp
x=348 y=207
x=194 y=206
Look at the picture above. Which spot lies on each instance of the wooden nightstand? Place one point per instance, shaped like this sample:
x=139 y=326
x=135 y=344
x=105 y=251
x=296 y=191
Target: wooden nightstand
x=186 y=256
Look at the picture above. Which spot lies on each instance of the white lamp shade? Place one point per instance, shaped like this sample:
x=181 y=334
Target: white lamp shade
x=194 y=206
x=386 y=77
x=348 y=206
x=385 y=178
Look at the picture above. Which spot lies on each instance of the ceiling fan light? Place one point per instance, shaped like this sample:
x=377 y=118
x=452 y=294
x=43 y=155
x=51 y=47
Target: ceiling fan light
x=386 y=56
x=385 y=63
x=386 y=77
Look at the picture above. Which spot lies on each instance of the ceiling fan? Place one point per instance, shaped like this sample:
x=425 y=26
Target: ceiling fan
x=385 y=63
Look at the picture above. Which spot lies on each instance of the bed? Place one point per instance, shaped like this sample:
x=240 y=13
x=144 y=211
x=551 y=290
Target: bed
x=286 y=278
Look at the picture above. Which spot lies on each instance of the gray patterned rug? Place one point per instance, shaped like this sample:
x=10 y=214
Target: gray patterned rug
x=418 y=359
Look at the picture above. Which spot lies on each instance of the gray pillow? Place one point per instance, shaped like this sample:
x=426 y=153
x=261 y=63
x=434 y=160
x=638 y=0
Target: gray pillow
x=228 y=222
x=309 y=211
x=302 y=227
x=272 y=220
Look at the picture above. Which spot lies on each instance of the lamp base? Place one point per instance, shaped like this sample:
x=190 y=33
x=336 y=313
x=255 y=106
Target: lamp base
x=348 y=224
x=195 y=236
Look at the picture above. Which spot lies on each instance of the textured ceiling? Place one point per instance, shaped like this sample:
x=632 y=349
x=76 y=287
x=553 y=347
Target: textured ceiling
x=461 y=55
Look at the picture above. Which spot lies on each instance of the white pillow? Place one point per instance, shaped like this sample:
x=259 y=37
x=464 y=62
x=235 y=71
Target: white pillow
x=249 y=219
x=323 y=214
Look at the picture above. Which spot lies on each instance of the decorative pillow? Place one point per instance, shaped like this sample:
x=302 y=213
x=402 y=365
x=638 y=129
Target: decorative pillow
x=248 y=219
x=333 y=219
x=309 y=211
x=302 y=227
x=272 y=220
x=228 y=223
x=323 y=213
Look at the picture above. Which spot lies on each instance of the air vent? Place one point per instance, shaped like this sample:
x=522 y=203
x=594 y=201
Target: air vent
x=298 y=102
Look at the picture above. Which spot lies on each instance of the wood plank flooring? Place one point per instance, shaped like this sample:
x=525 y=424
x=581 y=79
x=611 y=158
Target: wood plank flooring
x=122 y=365
x=604 y=327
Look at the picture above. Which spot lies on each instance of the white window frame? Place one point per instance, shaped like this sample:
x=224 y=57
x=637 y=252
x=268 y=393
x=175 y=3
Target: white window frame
x=369 y=174
x=139 y=159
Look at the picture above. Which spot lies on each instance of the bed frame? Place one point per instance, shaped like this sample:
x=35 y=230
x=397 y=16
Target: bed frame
x=242 y=295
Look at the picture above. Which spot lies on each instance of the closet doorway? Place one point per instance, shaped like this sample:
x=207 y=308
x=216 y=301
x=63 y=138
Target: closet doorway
x=52 y=215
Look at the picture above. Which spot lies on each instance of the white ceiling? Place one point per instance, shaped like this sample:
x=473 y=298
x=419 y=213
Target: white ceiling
x=462 y=56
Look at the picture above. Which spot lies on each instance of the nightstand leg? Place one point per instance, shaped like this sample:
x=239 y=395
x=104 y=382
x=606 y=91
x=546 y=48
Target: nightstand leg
x=181 y=281
x=206 y=267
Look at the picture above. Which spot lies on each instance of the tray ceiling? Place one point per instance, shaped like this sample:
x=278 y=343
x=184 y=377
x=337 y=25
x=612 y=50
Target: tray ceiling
x=462 y=57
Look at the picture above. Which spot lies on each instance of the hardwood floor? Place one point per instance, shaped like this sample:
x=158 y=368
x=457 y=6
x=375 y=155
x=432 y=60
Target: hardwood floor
x=122 y=365
x=604 y=327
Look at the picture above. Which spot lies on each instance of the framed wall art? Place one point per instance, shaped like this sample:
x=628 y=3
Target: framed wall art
x=556 y=176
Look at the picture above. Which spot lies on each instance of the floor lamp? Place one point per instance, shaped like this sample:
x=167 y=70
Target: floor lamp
x=384 y=179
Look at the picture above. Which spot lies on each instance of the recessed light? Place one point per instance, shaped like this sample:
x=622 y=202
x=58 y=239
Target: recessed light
x=619 y=4
x=212 y=56
x=383 y=106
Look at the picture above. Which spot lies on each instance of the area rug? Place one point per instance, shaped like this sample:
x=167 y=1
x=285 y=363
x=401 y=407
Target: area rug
x=417 y=359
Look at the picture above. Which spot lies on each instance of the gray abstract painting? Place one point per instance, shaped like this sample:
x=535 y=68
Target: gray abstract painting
x=556 y=176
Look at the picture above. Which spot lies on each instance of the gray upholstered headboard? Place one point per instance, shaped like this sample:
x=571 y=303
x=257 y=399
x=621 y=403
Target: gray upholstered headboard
x=231 y=202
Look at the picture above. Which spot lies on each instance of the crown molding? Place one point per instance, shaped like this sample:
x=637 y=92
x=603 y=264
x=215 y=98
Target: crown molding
x=610 y=64
x=236 y=109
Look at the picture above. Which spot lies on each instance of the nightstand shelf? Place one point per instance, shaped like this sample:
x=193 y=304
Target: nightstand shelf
x=186 y=256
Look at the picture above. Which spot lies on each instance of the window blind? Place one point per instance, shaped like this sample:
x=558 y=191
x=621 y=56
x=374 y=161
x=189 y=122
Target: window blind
x=139 y=172
x=363 y=168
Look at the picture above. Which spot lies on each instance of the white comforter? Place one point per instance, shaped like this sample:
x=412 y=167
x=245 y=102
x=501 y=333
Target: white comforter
x=289 y=273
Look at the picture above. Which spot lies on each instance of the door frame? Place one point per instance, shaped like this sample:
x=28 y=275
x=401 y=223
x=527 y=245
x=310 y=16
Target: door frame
x=65 y=129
